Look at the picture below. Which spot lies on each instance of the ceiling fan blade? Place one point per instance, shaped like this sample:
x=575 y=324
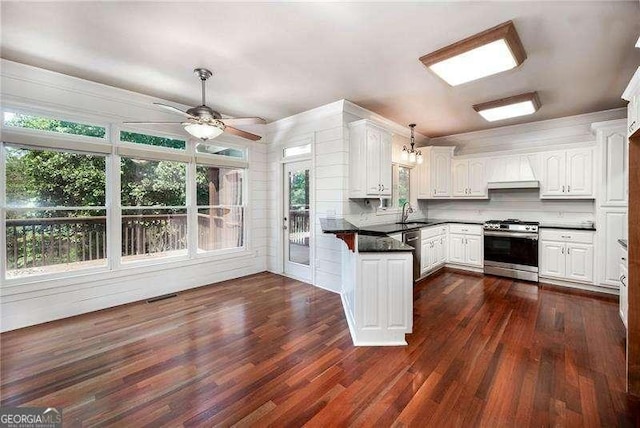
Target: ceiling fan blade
x=152 y=123
x=175 y=110
x=243 y=121
x=243 y=134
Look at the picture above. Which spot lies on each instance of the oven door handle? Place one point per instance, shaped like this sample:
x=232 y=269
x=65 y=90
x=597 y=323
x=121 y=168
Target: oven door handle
x=532 y=236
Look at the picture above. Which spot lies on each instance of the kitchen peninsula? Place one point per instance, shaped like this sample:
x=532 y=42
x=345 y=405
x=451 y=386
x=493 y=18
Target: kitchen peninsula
x=377 y=293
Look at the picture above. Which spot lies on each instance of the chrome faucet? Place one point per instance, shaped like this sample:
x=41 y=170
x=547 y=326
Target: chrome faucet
x=405 y=214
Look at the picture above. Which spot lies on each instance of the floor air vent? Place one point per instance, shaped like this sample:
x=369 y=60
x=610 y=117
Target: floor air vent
x=157 y=299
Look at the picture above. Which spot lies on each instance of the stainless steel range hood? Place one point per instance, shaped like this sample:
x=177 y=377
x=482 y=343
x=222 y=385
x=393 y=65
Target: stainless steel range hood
x=514 y=172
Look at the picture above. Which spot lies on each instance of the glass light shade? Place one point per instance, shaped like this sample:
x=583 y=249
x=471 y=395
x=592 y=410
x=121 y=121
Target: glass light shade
x=404 y=155
x=202 y=130
x=508 y=111
x=419 y=158
x=492 y=58
x=412 y=157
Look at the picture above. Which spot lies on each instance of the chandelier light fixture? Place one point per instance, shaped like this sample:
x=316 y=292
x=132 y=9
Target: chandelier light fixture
x=412 y=155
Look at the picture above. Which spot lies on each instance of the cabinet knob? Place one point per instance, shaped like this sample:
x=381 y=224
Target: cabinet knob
x=563 y=188
x=568 y=189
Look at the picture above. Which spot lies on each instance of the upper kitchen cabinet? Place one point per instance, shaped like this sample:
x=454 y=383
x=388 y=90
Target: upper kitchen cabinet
x=632 y=94
x=567 y=174
x=369 y=160
x=469 y=178
x=434 y=174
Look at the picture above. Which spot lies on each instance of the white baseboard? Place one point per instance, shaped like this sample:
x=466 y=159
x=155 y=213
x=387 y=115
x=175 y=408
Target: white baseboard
x=579 y=286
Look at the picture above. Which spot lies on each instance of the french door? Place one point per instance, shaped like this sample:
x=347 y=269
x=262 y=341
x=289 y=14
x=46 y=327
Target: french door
x=297 y=220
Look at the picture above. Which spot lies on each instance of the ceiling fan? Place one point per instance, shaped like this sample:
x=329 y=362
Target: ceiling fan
x=205 y=123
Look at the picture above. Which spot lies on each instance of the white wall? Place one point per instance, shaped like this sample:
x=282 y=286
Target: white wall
x=44 y=300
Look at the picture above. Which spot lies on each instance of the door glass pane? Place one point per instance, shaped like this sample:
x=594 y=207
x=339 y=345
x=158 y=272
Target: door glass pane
x=299 y=216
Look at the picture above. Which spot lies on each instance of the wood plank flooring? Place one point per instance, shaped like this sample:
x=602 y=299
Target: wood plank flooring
x=270 y=351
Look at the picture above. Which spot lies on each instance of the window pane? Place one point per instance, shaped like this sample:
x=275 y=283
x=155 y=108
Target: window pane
x=152 y=234
x=40 y=123
x=403 y=185
x=219 y=186
x=150 y=183
x=220 y=228
x=298 y=150
x=46 y=178
x=151 y=140
x=220 y=150
x=55 y=241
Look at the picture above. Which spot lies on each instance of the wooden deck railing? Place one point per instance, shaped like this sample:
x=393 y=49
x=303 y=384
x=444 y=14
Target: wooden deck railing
x=299 y=226
x=37 y=243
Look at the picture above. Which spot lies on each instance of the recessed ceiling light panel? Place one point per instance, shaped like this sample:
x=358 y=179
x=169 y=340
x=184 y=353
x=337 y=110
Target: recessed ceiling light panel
x=638 y=43
x=484 y=54
x=506 y=108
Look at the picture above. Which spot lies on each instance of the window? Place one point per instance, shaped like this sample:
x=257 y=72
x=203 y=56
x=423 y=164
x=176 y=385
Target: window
x=297 y=150
x=401 y=191
x=55 y=216
x=220 y=200
x=154 y=211
x=152 y=140
x=40 y=123
x=211 y=149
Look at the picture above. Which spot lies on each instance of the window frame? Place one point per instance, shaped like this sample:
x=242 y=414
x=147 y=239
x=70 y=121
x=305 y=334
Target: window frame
x=113 y=149
x=245 y=241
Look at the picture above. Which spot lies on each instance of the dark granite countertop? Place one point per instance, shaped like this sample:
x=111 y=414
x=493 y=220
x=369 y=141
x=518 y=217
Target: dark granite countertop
x=337 y=225
x=623 y=242
x=387 y=229
x=376 y=244
x=575 y=226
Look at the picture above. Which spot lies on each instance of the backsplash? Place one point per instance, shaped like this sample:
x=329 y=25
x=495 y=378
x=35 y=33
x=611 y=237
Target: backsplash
x=523 y=204
x=363 y=213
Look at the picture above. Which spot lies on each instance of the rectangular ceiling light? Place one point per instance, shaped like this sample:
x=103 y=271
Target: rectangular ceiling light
x=493 y=51
x=506 y=108
x=638 y=43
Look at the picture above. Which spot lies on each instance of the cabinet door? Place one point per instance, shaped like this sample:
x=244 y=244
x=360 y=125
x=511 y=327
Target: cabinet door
x=373 y=151
x=615 y=162
x=473 y=250
x=580 y=262
x=460 y=173
x=552 y=259
x=553 y=174
x=442 y=250
x=456 y=248
x=580 y=172
x=399 y=297
x=633 y=115
x=385 y=164
x=424 y=256
x=477 y=177
x=614 y=223
x=441 y=174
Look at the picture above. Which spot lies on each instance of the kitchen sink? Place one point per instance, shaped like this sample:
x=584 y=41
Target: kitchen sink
x=412 y=224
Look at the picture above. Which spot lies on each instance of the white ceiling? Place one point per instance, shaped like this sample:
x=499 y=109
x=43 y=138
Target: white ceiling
x=277 y=59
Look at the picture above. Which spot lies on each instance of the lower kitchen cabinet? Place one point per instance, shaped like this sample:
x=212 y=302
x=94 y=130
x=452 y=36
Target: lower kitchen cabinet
x=433 y=253
x=465 y=245
x=624 y=282
x=567 y=255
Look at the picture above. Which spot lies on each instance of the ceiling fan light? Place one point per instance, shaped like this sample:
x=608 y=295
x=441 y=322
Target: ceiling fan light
x=203 y=131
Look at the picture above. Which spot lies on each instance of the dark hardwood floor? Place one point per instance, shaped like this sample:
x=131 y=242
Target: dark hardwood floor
x=267 y=350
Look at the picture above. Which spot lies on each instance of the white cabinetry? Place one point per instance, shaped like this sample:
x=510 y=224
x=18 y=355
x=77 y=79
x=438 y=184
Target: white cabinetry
x=466 y=245
x=369 y=160
x=433 y=253
x=567 y=174
x=611 y=202
x=624 y=282
x=469 y=178
x=567 y=255
x=434 y=174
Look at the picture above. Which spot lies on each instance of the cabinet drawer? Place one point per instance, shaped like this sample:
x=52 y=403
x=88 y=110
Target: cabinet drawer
x=564 y=235
x=430 y=232
x=466 y=229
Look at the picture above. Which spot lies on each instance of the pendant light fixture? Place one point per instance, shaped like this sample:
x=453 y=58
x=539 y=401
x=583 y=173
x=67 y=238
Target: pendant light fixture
x=412 y=155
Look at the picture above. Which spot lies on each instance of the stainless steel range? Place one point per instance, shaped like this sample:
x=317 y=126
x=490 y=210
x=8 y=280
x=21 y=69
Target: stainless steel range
x=511 y=249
